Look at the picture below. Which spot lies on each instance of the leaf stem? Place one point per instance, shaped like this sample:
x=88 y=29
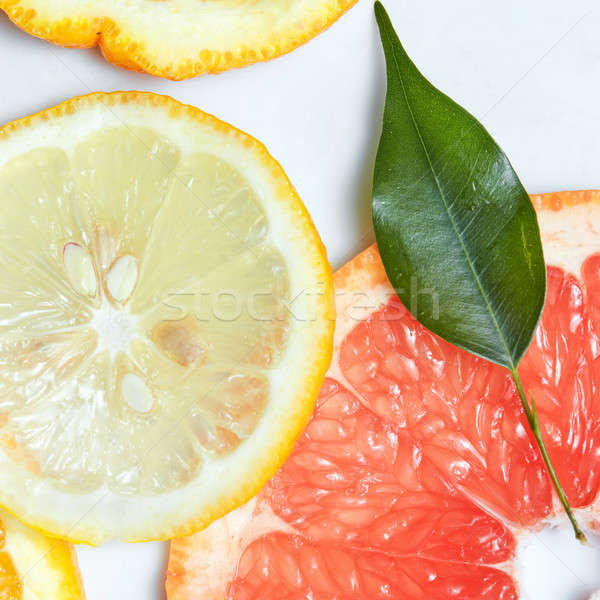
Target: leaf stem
x=532 y=418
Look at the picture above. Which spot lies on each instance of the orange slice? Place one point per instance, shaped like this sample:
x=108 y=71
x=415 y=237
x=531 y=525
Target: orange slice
x=417 y=474
x=178 y=39
x=166 y=318
x=33 y=566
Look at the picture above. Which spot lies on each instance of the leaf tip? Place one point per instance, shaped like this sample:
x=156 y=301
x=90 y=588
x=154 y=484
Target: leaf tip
x=380 y=11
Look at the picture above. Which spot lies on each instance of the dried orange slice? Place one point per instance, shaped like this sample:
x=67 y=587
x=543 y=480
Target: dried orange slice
x=33 y=566
x=417 y=473
x=178 y=39
x=166 y=318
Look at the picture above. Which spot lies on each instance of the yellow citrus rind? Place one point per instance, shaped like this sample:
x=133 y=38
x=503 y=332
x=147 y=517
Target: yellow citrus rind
x=178 y=39
x=46 y=568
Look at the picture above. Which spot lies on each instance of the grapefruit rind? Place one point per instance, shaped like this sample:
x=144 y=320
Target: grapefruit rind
x=96 y=517
x=178 y=39
x=570 y=226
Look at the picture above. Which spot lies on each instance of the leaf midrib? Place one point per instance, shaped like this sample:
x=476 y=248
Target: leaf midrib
x=447 y=208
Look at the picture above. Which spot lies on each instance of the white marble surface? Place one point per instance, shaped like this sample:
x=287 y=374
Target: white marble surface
x=529 y=69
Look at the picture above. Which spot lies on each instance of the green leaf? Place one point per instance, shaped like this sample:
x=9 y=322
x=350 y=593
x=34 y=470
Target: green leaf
x=456 y=230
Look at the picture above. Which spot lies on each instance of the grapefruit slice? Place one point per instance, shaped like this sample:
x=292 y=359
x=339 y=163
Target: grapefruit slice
x=165 y=318
x=33 y=566
x=417 y=473
x=178 y=39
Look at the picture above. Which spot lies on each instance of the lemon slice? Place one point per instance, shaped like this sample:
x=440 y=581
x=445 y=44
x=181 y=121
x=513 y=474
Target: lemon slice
x=178 y=39
x=33 y=566
x=166 y=318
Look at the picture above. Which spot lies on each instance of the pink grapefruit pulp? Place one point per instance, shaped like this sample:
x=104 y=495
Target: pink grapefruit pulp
x=418 y=473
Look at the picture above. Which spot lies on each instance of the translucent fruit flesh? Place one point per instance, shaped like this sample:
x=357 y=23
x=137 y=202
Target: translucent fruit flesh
x=418 y=470
x=67 y=351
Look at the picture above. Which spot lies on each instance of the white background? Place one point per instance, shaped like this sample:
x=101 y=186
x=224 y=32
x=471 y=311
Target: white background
x=529 y=69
